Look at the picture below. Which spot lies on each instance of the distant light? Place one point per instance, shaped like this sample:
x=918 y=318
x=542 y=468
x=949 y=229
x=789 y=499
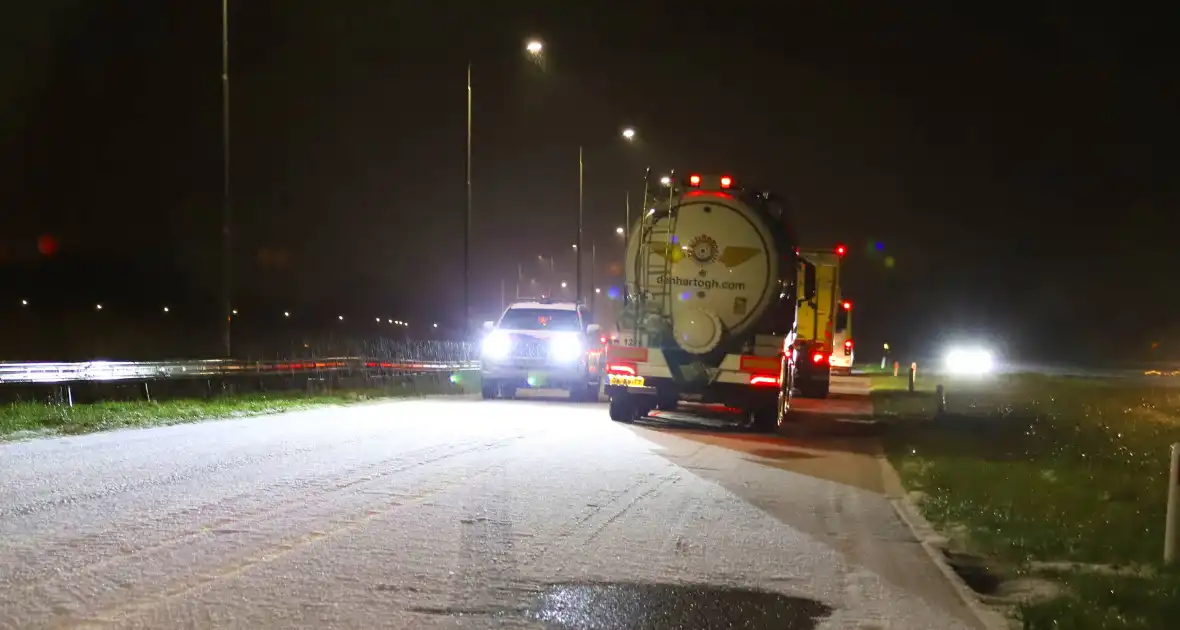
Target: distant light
x=340 y=317
x=619 y=230
x=886 y=346
x=969 y=361
x=165 y=309
x=24 y=302
x=879 y=246
x=235 y=311
x=694 y=180
x=847 y=306
x=534 y=46
x=389 y=320
x=405 y=323
x=726 y=182
x=286 y=314
x=629 y=133
x=563 y=285
x=665 y=181
x=378 y=320
x=597 y=290
x=575 y=245
x=436 y=324
x=98 y=307
x=840 y=249
x=398 y=322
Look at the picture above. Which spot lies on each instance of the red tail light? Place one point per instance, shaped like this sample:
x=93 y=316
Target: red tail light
x=840 y=249
x=726 y=181
x=623 y=369
x=848 y=344
x=602 y=339
x=764 y=380
x=847 y=305
x=694 y=180
x=818 y=357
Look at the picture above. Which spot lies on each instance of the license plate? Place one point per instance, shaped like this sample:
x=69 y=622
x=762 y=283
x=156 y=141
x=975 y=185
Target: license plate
x=626 y=381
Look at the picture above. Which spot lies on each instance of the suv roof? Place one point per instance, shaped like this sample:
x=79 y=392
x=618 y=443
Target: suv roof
x=554 y=306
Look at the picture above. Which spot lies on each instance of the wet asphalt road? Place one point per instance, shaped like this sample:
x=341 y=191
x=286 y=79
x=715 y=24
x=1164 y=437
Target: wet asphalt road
x=458 y=514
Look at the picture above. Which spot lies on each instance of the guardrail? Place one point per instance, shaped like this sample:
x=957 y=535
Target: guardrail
x=107 y=371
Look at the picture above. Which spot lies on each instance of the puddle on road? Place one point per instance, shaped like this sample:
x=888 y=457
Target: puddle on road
x=644 y=606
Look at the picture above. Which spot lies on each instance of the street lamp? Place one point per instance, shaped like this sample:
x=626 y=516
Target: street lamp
x=340 y=317
x=286 y=313
x=665 y=181
x=563 y=284
x=165 y=309
x=24 y=302
x=619 y=230
x=534 y=47
x=629 y=134
x=98 y=307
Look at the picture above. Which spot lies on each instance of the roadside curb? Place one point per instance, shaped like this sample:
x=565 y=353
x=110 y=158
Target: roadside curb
x=927 y=537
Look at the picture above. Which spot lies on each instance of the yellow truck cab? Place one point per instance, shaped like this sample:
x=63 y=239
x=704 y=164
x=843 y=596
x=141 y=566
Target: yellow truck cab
x=816 y=323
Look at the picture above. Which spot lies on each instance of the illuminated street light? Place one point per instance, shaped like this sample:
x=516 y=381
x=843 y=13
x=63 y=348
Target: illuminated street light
x=619 y=230
x=389 y=320
x=665 y=181
x=597 y=290
x=165 y=309
x=564 y=285
x=286 y=313
x=234 y=311
x=629 y=134
x=575 y=245
x=436 y=324
x=340 y=317
x=534 y=47
x=378 y=320
x=24 y=302
x=98 y=307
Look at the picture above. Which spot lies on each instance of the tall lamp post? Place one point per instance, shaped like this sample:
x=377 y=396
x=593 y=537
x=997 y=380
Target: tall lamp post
x=534 y=48
x=226 y=216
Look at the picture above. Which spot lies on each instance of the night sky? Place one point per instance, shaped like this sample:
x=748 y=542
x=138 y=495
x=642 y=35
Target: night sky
x=1019 y=166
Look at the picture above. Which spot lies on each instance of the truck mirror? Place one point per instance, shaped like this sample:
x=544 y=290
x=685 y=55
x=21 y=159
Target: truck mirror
x=809 y=281
x=489 y=326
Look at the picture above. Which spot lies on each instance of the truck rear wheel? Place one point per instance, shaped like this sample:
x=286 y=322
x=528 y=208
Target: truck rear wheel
x=623 y=408
x=815 y=390
x=764 y=420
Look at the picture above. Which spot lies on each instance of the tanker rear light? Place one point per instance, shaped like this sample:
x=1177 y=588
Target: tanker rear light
x=694 y=180
x=818 y=357
x=726 y=181
x=848 y=348
x=764 y=380
x=623 y=369
x=840 y=249
x=847 y=305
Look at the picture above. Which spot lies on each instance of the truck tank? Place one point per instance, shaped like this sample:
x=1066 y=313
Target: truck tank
x=709 y=266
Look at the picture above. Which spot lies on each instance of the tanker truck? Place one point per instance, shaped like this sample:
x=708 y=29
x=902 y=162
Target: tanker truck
x=712 y=290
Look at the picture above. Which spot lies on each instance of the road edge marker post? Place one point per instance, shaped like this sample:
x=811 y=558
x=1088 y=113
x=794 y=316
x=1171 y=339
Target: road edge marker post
x=913 y=376
x=1172 y=522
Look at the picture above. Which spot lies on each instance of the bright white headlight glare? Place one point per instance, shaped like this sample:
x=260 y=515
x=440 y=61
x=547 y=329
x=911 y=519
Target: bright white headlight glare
x=496 y=345
x=565 y=348
x=969 y=361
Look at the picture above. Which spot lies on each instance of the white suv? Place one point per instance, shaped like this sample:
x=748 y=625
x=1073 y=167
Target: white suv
x=541 y=345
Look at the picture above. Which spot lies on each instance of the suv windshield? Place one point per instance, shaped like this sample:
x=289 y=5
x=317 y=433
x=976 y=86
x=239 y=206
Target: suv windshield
x=540 y=319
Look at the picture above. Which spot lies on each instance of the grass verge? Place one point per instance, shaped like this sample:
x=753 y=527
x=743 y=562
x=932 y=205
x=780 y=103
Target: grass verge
x=32 y=419
x=1051 y=478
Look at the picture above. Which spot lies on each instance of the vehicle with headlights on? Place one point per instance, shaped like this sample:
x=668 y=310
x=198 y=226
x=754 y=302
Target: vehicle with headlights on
x=541 y=345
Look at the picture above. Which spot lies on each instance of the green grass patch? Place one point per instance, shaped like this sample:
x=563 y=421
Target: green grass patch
x=40 y=419
x=1027 y=469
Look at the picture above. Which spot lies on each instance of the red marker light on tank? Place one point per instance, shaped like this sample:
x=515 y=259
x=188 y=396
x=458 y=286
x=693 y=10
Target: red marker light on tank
x=726 y=181
x=694 y=180
x=840 y=250
x=848 y=306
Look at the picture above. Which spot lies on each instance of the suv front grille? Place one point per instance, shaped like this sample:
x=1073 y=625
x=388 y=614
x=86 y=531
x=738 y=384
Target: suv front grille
x=528 y=348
